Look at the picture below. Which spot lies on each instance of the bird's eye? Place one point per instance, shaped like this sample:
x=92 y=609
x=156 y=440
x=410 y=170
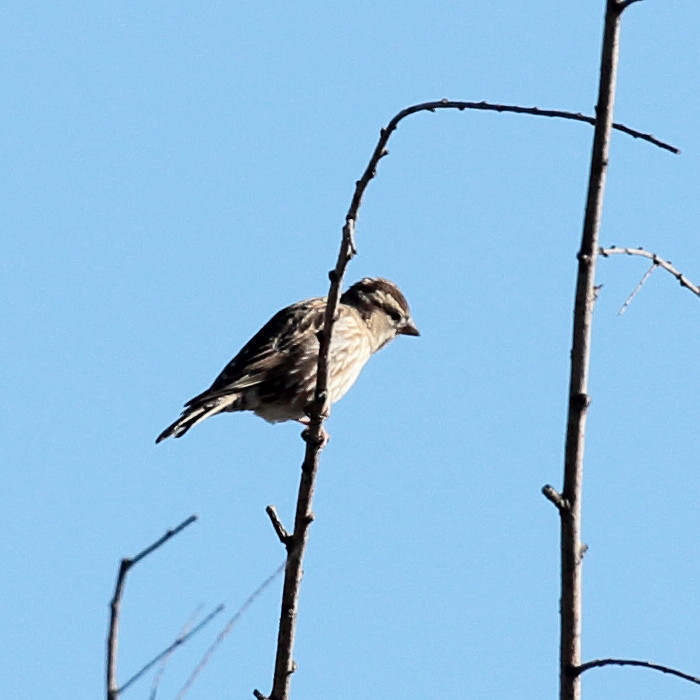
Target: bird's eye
x=395 y=316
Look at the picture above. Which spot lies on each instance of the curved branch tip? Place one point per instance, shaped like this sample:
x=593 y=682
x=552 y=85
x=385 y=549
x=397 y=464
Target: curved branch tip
x=599 y=663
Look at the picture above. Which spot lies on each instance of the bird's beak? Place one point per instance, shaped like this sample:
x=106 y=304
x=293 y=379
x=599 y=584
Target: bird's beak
x=409 y=328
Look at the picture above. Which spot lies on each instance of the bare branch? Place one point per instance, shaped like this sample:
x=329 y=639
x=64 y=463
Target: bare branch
x=113 y=635
x=380 y=151
x=113 y=689
x=181 y=639
x=597 y=663
x=579 y=401
x=159 y=543
x=227 y=629
x=657 y=261
x=316 y=438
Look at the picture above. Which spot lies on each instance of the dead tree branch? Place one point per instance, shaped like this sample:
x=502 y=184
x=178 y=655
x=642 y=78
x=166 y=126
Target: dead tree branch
x=113 y=689
x=597 y=663
x=516 y=109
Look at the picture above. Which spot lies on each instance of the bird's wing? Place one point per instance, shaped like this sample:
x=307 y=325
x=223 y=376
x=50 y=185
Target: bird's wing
x=267 y=355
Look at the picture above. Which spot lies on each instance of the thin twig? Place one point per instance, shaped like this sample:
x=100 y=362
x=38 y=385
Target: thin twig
x=597 y=663
x=657 y=261
x=181 y=639
x=570 y=522
x=162 y=666
x=113 y=689
x=227 y=629
x=164 y=539
x=637 y=289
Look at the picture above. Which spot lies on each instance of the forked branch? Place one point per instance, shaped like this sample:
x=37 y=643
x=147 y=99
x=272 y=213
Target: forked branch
x=113 y=689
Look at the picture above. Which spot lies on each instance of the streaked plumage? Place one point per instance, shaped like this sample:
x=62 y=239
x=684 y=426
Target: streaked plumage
x=274 y=374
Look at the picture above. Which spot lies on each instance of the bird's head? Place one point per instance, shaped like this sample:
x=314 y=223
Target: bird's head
x=383 y=307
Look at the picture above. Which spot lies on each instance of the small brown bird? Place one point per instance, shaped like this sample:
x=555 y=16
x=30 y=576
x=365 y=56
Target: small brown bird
x=274 y=375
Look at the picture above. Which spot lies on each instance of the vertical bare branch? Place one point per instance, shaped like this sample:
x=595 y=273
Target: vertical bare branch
x=315 y=437
x=579 y=400
x=113 y=636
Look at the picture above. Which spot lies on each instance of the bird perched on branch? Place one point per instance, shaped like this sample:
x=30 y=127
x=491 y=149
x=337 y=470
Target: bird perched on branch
x=274 y=374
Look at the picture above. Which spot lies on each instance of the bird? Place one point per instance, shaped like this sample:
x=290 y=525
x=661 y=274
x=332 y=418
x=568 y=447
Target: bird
x=274 y=374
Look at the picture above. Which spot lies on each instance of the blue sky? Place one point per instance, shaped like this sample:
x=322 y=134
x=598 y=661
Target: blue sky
x=177 y=172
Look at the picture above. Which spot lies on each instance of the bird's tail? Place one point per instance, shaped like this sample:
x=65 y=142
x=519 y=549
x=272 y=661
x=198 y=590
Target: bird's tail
x=195 y=412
